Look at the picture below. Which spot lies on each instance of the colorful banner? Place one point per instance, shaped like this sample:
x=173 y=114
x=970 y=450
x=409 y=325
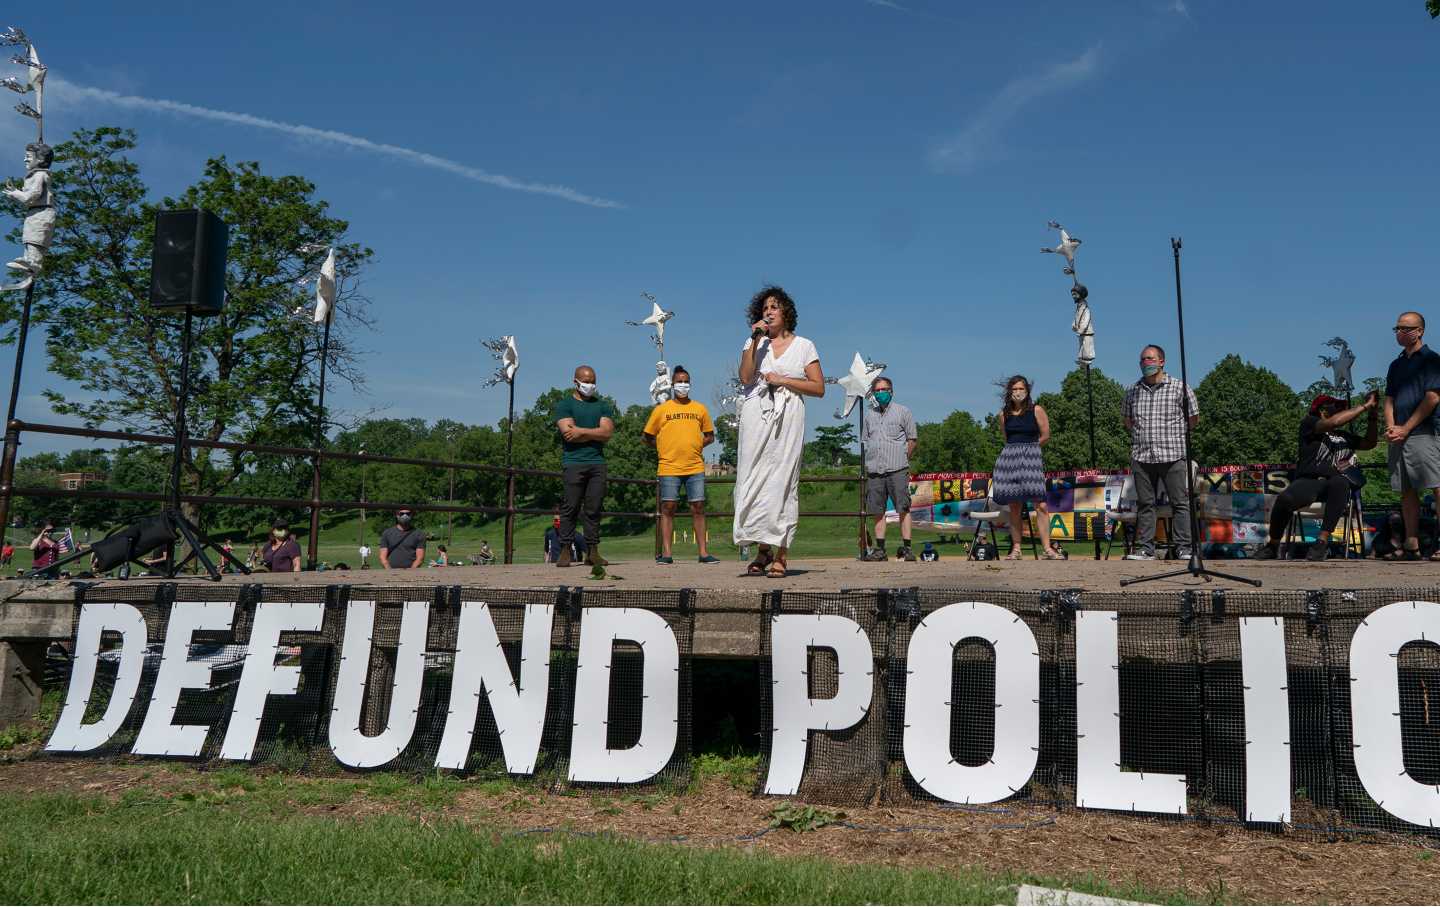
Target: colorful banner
x=1235 y=503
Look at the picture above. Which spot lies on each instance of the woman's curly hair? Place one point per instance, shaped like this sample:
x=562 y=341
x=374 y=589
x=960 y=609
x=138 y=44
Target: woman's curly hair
x=756 y=311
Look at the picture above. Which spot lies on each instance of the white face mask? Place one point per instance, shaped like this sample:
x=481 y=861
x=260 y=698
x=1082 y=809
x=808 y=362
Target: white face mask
x=1017 y=395
x=587 y=388
x=682 y=389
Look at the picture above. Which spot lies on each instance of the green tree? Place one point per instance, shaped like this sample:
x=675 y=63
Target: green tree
x=1433 y=7
x=1069 y=414
x=831 y=446
x=958 y=444
x=727 y=436
x=1247 y=415
x=253 y=366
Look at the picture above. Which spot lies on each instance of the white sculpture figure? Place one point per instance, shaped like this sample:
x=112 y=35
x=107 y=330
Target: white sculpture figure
x=1067 y=247
x=503 y=349
x=14 y=37
x=39 y=213
x=658 y=317
x=325 y=290
x=660 y=388
x=1084 y=332
x=857 y=383
x=1340 y=365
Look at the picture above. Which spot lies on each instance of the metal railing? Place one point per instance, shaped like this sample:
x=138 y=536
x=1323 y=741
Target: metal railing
x=317 y=503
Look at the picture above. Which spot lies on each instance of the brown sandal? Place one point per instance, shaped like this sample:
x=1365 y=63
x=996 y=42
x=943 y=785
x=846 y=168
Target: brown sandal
x=776 y=570
x=762 y=560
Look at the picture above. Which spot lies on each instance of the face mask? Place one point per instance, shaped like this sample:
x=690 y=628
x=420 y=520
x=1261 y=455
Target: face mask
x=403 y=519
x=281 y=533
x=682 y=389
x=1017 y=396
x=1149 y=370
x=883 y=397
x=587 y=388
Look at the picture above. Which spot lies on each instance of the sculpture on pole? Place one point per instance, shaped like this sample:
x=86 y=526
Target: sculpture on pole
x=35 y=192
x=656 y=319
x=504 y=350
x=1340 y=365
x=660 y=389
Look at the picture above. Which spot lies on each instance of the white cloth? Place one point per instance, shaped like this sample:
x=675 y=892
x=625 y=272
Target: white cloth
x=772 y=437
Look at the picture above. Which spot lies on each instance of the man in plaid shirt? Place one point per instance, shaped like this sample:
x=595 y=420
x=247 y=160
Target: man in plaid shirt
x=1155 y=411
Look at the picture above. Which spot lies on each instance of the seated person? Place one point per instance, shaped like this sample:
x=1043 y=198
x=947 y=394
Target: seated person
x=1325 y=470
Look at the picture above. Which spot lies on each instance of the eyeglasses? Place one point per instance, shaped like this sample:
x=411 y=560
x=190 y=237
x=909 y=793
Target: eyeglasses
x=1405 y=328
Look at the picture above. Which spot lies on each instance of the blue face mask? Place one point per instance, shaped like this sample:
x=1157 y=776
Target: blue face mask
x=1148 y=370
x=883 y=397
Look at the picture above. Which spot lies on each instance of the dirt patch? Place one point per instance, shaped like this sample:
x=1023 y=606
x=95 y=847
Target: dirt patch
x=1207 y=862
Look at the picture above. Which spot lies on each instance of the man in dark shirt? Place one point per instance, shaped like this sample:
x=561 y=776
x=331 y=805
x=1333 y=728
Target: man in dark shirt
x=585 y=422
x=402 y=546
x=1325 y=469
x=281 y=553
x=1412 y=390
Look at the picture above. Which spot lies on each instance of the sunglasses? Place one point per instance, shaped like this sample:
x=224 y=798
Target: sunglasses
x=1405 y=328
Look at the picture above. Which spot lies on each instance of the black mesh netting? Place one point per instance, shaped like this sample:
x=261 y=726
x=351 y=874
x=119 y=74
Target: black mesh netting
x=295 y=730
x=845 y=766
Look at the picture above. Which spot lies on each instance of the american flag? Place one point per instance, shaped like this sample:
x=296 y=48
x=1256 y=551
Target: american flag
x=66 y=543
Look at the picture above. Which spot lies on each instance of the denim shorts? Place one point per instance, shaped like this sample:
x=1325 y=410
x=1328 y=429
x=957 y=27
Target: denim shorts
x=694 y=487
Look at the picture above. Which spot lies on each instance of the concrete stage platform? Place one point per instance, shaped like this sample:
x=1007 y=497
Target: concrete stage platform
x=834 y=574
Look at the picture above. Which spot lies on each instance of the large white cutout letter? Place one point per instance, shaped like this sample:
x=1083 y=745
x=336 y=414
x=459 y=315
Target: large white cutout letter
x=792 y=636
x=1375 y=708
x=480 y=665
x=1100 y=781
x=261 y=677
x=159 y=735
x=600 y=628
x=1267 y=719
x=72 y=735
x=927 y=703
x=347 y=741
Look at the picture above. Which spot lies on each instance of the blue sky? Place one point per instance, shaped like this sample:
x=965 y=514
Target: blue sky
x=893 y=165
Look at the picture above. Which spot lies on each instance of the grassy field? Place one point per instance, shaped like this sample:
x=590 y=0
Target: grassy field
x=816 y=537
x=177 y=835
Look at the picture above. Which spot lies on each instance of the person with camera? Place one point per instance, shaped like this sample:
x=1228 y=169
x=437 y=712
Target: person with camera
x=1326 y=469
x=45 y=549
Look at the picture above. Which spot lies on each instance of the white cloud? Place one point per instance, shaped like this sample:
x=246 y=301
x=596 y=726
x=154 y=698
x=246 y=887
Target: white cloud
x=890 y=4
x=979 y=139
x=72 y=93
x=1179 y=8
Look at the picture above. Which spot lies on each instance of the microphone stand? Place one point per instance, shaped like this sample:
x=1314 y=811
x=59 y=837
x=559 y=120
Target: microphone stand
x=1196 y=567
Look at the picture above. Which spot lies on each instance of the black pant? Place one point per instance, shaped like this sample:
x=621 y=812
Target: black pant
x=1304 y=492
x=584 y=495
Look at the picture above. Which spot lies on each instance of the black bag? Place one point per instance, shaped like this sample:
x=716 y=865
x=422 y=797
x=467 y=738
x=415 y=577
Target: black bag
x=985 y=551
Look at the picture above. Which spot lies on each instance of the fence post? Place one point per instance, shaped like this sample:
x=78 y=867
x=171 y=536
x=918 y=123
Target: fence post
x=7 y=476
x=313 y=547
x=659 y=545
x=509 y=515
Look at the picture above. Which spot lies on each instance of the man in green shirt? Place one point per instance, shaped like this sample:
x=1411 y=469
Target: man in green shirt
x=585 y=422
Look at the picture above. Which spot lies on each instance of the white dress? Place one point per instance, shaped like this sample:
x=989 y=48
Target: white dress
x=772 y=437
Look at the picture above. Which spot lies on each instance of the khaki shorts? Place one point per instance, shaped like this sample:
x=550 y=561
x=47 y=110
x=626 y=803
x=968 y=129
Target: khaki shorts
x=1415 y=464
x=894 y=486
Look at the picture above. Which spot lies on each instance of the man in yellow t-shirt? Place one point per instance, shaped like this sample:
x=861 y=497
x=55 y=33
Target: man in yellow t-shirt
x=679 y=429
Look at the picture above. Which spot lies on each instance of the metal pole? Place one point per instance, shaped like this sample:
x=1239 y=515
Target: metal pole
x=1094 y=461
x=180 y=432
x=864 y=479
x=12 y=437
x=313 y=548
x=363 y=464
x=449 y=515
x=510 y=478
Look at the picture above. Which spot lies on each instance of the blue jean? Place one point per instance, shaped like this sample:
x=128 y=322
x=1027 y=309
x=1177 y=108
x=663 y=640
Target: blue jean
x=694 y=487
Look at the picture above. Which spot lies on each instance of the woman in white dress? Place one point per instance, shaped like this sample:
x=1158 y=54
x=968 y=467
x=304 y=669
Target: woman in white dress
x=778 y=369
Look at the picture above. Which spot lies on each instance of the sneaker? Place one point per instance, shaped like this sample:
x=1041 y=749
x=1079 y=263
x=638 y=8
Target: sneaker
x=1318 y=551
x=1266 y=553
x=1182 y=554
x=905 y=554
x=1140 y=555
x=664 y=559
x=873 y=554
x=709 y=559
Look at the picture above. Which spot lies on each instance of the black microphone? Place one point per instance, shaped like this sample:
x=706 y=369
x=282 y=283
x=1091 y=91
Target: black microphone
x=758 y=332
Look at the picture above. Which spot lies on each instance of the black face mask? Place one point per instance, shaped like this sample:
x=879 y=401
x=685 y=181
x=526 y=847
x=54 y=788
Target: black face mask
x=403 y=519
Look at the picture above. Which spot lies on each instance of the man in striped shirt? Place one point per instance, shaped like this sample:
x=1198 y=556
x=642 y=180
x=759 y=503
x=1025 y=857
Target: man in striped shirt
x=1156 y=409
x=889 y=441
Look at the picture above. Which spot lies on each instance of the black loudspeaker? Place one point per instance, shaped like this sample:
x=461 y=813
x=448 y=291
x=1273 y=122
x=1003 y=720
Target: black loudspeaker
x=187 y=267
x=135 y=540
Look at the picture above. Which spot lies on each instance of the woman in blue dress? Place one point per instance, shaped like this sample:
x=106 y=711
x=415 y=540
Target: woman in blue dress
x=1019 y=471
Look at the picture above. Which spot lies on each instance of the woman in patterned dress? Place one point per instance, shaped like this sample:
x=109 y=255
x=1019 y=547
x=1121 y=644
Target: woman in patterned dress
x=1019 y=470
